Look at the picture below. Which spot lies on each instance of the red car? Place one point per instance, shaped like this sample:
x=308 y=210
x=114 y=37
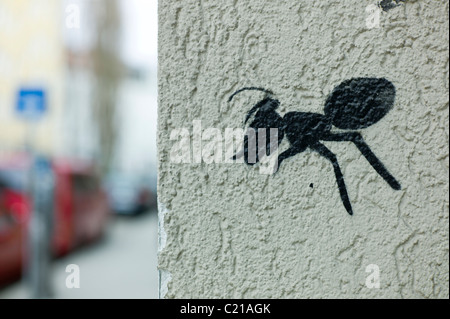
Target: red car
x=14 y=217
x=79 y=207
x=80 y=204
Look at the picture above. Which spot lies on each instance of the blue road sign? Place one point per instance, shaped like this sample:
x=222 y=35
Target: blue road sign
x=31 y=103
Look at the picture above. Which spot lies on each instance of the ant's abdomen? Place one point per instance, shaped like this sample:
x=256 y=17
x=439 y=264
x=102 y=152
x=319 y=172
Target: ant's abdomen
x=303 y=129
x=359 y=102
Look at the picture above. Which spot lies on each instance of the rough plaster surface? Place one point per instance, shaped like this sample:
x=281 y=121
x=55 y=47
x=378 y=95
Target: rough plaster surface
x=234 y=233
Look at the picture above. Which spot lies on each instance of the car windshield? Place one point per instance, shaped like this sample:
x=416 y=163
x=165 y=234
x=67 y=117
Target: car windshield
x=14 y=179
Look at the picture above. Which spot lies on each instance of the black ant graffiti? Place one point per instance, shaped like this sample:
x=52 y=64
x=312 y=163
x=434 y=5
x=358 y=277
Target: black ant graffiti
x=354 y=104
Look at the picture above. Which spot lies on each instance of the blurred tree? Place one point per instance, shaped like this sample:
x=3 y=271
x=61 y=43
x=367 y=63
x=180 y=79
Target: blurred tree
x=108 y=71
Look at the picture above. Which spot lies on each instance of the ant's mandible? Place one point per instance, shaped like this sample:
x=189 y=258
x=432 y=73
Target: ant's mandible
x=354 y=104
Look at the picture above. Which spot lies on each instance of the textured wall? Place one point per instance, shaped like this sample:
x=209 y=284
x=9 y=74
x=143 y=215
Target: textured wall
x=228 y=231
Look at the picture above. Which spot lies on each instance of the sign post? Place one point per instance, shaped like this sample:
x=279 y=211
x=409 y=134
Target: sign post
x=31 y=106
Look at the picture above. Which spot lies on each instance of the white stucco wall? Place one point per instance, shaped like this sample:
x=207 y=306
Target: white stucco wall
x=231 y=232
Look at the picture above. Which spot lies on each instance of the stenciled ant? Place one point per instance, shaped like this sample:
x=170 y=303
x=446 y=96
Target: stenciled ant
x=354 y=104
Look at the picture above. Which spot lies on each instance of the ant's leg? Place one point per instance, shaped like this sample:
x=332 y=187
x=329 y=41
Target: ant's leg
x=286 y=154
x=325 y=152
x=365 y=150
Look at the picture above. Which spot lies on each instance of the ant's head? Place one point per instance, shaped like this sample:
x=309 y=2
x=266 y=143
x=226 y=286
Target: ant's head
x=268 y=104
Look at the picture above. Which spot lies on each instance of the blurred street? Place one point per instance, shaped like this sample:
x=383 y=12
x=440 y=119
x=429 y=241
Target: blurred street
x=120 y=265
x=78 y=118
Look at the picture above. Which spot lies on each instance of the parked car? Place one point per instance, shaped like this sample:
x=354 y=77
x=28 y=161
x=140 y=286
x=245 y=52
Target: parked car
x=81 y=205
x=79 y=209
x=14 y=218
x=129 y=196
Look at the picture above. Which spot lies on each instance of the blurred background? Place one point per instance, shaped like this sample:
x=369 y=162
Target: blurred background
x=78 y=115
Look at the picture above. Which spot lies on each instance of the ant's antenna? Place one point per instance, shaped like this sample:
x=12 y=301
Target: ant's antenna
x=249 y=88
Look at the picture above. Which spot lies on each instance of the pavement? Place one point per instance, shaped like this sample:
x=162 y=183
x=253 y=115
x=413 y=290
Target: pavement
x=123 y=264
